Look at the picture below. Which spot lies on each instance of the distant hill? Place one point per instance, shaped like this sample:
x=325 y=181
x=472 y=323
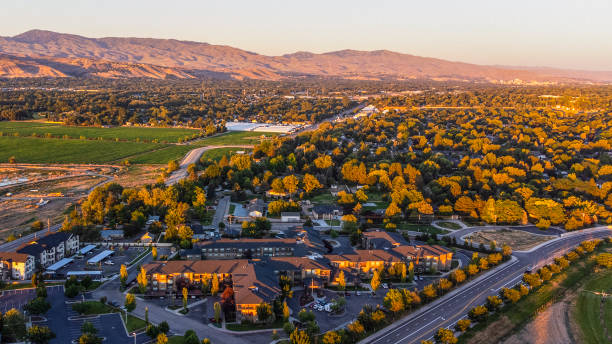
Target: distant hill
x=39 y=53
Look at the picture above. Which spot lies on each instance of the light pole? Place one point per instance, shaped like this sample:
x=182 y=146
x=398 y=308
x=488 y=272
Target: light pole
x=134 y=334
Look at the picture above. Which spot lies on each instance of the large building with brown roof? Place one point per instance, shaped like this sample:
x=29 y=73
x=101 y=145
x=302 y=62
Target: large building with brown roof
x=18 y=266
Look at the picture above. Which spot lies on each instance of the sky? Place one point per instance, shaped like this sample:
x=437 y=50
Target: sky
x=561 y=33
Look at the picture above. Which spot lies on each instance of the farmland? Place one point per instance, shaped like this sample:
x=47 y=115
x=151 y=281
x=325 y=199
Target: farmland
x=235 y=138
x=134 y=134
x=218 y=153
x=35 y=150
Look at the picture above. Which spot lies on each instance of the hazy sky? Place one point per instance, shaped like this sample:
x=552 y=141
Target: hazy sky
x=561 y=33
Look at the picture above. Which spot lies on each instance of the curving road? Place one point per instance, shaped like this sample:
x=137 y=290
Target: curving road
x=446 y=311
x=192 y=157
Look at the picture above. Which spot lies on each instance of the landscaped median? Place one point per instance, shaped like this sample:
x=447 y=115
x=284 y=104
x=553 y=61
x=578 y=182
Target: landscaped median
x=516 y=306
x=400 y=302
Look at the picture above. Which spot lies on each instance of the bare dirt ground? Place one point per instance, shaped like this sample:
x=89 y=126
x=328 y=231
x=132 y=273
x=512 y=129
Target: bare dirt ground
x=76 y=186
x=552 y=326
x=138 y=175
x=16 y=216
x=518 y=240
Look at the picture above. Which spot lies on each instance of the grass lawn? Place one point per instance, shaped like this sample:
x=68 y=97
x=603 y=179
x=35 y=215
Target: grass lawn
x=232 y=207
x=251 y=327
x=235 y=138
x=135 y=324
x=92 y=307
x=449 y=225
x=325 y=197
x=35 y=150
x=420 y=228
x=333 y=222
x=217 y=153
x=587 y=312
x=132 y=134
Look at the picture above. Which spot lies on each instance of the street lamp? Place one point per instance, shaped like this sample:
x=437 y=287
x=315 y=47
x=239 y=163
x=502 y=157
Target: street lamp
x=134 y=334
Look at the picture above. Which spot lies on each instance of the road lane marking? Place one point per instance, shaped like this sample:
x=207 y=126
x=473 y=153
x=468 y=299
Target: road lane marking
x=424 y=326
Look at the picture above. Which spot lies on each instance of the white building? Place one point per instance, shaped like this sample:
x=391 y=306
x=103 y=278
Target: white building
x=18 y=266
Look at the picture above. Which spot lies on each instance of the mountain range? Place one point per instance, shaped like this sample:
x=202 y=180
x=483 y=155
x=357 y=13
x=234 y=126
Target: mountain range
x=39 y=53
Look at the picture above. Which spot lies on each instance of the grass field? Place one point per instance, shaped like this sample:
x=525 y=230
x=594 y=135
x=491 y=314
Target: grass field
x=160 y=156
x=587 y=312
x=449 y=225
x=218 y=153
x=234 y=138
x=121 y=133
x=34 y=150
x=420 y=228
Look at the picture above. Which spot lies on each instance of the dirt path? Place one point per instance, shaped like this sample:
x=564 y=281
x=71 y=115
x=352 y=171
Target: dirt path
x=552 y=326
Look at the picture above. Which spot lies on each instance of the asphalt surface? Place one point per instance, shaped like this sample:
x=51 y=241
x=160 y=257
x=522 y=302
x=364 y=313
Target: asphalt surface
x=192 y=157
x=446 y=311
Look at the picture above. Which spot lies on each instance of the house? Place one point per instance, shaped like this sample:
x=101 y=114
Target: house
x=426 y=257
x=335 y=189
x=364 y=261
x=151 y=219
x=326 y=211
x=111 y=234
x=256 y=207
x=247 y=248
x=18 y=266
x=290 y=217
x=51 y=248
x=381 y=240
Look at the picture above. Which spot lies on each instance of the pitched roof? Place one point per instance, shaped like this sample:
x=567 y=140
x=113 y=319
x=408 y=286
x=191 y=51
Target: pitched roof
x=365 y=256
x=48 y=241
x=247 y=243
x=13 y=256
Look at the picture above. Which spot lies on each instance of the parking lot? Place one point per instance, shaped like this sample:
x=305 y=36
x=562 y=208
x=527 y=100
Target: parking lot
x=328 y=321
x=19 y=297
x=109 y=266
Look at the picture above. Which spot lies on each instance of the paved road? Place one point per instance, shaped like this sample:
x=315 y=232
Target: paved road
x=192 y=157
x=13 y=245
x=221 y=212
x=446 y=311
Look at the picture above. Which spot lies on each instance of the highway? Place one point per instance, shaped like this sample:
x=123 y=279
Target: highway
x=446 y=311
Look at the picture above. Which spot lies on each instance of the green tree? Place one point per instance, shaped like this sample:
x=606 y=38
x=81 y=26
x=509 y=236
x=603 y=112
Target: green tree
x=217 y=308
x=13 y=326
x=264 y=312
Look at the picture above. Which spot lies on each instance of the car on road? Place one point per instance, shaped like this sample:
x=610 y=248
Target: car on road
x=385 y=286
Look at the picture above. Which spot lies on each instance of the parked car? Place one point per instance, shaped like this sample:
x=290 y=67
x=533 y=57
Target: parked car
x=385 y=286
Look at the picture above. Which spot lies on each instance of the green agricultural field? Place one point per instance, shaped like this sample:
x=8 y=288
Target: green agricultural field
x=160 y=156
x=35 y=150
x=218 y=153
x=235 y=138
x=134 y=134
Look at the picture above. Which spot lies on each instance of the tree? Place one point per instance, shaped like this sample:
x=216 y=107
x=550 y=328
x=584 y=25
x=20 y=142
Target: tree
x=341 y=280
x=264 y=312
x=37 y=306
x=511 y=295
x=89 y=338
x=290 y=183
x=429 y=292
x=39 y=334
x=299 y=337
x=478 y=313
x=130 y=302
x=458 y=276
x=142 y=280
x=286 y=312
x=472 y=269
x=493 y=302
x=445 y=336
x=13 y=326
x=217 y=308
x=532 y=279
x=463 y=325
x=162 y=338
x=331 y=337
x=214 y=289
x=375 y=282
x=506 y=250
x=154 y=252
x=123 y=275
x=411 y=271
x=185 y=294
x=191 y=337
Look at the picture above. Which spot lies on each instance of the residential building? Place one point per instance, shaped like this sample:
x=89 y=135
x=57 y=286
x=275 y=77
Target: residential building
x=364 y=261
x=290 y=217
x=17 y=266
x=256 y=207
x=247 y=248
x=426 y=257
x=379 y=239
x=326 y=211
x=111 y=234
x=51 y=248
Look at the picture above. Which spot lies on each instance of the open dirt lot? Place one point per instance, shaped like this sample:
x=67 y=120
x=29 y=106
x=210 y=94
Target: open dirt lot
x=518 y=240
x=138 y=175
x=552 y=326
x=16 y=216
